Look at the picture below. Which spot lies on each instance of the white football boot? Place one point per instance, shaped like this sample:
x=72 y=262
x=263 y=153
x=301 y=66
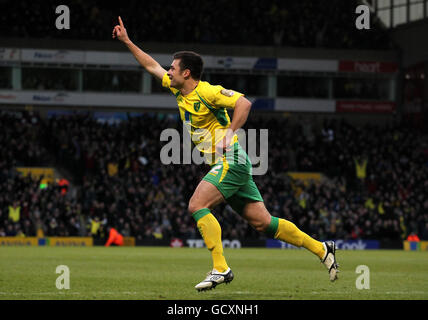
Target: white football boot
x=329 y=259
x=214 y=278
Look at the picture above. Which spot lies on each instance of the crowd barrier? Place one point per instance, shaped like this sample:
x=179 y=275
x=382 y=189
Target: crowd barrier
x=273 y=243
x=57 y=241
x=340 y=244
x=199 y=243
x=47 y=241
x=415 y=245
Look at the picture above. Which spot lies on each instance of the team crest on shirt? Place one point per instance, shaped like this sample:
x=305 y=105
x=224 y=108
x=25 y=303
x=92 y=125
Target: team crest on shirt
x=197 y=106
x=227 y=93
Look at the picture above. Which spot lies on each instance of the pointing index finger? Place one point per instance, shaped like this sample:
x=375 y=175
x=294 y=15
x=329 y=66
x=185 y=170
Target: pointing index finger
x=120 y=22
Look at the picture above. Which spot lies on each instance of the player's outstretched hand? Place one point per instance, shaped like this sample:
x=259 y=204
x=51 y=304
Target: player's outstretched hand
x=119 y=32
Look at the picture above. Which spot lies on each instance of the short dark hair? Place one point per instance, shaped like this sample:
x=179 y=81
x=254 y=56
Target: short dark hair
x=192 y=61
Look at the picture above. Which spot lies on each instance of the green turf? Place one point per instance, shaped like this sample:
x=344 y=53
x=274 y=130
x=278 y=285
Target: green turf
x=171 y=273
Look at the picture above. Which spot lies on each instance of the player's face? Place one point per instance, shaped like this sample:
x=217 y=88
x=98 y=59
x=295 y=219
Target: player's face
x=176 y=75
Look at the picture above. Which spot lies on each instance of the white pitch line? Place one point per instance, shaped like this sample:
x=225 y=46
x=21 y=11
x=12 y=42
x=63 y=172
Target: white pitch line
x=369 y=291
x=233 y=292
x=65 y=293
x=280 y=293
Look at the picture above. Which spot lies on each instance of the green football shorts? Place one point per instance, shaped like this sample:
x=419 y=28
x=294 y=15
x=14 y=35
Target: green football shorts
x=232 y=176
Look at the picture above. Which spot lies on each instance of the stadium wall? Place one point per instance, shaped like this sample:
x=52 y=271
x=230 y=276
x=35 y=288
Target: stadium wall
x=229 y=50
x=81 y=59
x=163 y=101
x=337 y=63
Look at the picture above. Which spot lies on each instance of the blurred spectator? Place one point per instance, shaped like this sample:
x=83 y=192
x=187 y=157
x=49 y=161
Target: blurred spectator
x=95 y=226
x=10 y=231
x=14 y=212
x=303 y=23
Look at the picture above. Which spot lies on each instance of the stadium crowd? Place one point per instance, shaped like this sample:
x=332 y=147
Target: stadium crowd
x=303 y=23
x=374 y=185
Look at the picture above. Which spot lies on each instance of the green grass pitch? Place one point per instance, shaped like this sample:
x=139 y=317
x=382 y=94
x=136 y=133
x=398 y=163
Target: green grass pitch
x=155 y=273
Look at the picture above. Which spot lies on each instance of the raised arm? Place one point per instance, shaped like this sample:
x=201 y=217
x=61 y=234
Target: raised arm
x=145 y=60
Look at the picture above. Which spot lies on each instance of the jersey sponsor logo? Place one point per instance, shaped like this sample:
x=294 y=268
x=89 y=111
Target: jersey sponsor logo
x=197 y=106
x=227 y=93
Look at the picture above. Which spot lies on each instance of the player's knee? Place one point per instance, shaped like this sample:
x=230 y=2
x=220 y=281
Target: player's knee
x=193 y=206
x=260 y=225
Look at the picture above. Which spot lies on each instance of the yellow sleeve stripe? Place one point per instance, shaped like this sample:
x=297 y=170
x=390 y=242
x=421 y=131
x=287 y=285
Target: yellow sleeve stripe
x=225 y=169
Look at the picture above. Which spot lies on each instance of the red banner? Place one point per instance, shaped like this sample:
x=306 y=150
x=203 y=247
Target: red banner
x=365 y=106
x=368 y=66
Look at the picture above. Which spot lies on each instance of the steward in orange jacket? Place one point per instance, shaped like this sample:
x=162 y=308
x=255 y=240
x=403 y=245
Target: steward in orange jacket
x=413 y=237
x=114 y=238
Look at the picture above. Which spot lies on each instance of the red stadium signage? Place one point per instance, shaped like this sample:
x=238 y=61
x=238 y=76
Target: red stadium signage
x=368 y=66
x=7 y=97
x=365 y=106
x=176 y=243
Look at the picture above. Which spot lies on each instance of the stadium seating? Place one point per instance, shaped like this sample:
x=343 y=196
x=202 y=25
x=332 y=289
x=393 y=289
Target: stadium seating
x=118 y=178
x=303 y=23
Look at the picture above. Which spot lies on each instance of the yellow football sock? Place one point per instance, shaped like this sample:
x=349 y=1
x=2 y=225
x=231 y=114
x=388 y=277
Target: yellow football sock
x=211 y=233
x=287 y=231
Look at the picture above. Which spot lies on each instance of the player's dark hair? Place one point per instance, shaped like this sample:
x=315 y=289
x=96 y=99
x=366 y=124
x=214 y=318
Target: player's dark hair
x=192 y=61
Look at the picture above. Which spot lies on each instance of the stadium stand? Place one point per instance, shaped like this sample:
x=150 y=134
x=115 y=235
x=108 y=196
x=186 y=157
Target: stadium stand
x=375 y=177
x=312 y=24
x=124 y=184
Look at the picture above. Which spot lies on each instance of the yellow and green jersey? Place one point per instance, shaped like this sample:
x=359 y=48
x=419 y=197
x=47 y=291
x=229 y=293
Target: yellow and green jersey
x=203 y=112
